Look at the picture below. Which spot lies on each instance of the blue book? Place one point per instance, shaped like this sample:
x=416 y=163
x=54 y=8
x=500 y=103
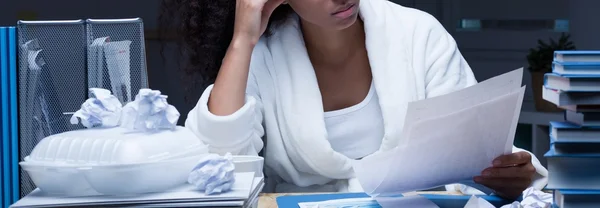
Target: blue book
x=568 y=147
x=586 y=119
x=13 y=110
x=568 y=132
x=573 y=171
x=561 y=98
x=576 y=68
x=443 y=201
x=577 y=56
x=577 y=198
x=4 y=119
x=572 y=83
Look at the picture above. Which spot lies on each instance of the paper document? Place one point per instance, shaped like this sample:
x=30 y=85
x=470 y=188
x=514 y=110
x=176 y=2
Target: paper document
x=447 y=139
x=407 y=201
x=187 y=193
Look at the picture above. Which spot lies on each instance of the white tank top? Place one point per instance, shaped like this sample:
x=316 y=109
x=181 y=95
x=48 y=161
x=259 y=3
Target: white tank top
x=356 y=131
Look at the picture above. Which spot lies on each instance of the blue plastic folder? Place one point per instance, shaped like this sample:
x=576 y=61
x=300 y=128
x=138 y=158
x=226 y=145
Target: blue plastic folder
x=13 y=109
x=8 y=118
x=4 y=122
x=443 y=201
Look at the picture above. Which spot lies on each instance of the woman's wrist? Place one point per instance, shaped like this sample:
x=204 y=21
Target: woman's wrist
x=242 y=41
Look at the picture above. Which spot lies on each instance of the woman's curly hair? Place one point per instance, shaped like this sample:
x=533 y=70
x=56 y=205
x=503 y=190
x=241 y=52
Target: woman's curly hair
x=204 y=29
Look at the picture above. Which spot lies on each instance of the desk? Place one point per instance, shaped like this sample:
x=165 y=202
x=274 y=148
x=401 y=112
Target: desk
x=268 y=200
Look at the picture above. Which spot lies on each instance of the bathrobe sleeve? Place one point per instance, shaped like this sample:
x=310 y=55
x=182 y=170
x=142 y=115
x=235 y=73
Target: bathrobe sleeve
x=448 y=71
x=239 y=133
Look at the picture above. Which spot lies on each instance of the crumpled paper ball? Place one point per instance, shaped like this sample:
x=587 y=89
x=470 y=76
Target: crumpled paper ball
x=532 y=198
x=214 y=174
x=149 y=112
x=102 y=109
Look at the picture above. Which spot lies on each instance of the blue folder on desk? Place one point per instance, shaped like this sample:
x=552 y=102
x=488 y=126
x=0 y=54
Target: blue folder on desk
x=443 y=201
x=9 y=175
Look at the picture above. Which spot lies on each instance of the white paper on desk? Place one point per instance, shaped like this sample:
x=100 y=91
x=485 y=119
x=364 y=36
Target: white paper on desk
x=187 y=193
x=337 y=203
x=443 y=145
x=406 y=201
x=378 y=202
x=476 y=202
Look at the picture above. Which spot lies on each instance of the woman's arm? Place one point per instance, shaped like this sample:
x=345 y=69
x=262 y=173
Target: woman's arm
x=228 y=116
x=239 y=132
x=228 y=93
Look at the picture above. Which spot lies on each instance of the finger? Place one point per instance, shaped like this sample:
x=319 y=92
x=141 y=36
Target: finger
x=503 y=183
x=270 y=6
x=508 y=193
x=522 y=171
x=517 y=158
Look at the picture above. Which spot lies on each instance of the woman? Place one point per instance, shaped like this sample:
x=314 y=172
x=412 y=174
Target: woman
x=327 y=84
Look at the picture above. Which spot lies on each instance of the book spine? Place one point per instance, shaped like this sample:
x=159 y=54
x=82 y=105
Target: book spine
x=4 y=127
x=14 y=128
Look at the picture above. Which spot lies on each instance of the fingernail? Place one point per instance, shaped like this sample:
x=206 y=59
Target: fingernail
x=486 y=173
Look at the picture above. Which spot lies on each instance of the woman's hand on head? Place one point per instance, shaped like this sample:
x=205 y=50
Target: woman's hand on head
x=509 y=176
x=252 y=17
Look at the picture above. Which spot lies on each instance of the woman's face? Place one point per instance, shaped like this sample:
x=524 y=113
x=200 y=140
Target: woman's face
x=331 y=14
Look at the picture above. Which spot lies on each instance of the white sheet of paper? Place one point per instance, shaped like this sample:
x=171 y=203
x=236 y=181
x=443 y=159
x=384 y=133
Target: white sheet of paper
x=407 y=201
x=336 y=203
x=187 y=193
x=445 y=142
x=257 y=187
x=377 y=202
x=476 y=202
x=463 y=99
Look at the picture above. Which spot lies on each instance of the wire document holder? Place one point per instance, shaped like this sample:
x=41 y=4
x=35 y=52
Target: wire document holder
x=58 y=61
x=117 y=56
x=51 y=81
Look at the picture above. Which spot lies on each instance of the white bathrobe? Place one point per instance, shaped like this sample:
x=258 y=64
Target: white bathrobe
x=412 y=57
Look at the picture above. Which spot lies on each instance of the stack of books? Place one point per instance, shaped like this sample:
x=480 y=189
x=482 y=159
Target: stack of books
x=244 y=194
x=574 y=155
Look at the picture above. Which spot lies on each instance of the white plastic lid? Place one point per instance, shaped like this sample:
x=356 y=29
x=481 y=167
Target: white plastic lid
x=113 y=146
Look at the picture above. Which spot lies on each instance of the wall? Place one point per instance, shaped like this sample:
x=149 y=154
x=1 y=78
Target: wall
x=10 y=10
x=491 y=53
x=584 y=23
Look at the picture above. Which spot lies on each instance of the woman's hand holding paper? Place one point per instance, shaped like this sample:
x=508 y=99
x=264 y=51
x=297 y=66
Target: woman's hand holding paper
x=509 y=176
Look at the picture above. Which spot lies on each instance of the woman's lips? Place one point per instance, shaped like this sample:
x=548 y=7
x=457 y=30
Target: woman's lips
x=346 y=12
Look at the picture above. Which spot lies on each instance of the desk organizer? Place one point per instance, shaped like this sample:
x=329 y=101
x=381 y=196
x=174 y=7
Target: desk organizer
x=117 y=56
x=59 y=61
x=51 y=81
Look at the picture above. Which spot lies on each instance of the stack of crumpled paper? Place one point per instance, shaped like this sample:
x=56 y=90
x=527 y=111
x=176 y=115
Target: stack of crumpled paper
x=532 y=198
x=148 y=112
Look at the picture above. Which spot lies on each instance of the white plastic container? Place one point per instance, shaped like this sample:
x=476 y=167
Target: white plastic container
x=114 y=146
x=247 y=163
x=86 y=161
x=56 y=180
x=140 y=178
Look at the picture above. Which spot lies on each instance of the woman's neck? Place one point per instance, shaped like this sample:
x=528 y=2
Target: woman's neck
x=333 y=47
